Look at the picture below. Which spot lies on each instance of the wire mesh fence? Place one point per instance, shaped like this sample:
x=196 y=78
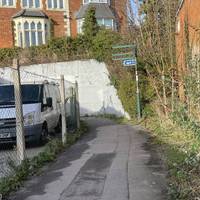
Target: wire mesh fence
x=31 y=111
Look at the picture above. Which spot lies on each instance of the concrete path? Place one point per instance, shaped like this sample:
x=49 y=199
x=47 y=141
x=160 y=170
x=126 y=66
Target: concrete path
x=112 y=162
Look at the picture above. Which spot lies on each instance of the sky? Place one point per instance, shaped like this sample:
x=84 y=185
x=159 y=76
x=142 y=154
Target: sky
x=134 y=7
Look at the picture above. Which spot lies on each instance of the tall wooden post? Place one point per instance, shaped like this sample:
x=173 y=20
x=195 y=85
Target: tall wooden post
x=19 y=111
x=77 y=106
x=63 y=110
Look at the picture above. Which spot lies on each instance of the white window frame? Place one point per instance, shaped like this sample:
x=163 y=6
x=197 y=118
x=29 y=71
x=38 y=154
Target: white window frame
x=80 y=25
x=34 y=5
x=58 y=3
x=81 y=21
x=8 y=6
x=112 y=27
x=45 y=31
x=96 y=1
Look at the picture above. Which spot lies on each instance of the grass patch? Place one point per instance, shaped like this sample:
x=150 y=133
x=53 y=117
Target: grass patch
x=30 y=167
x=181 y=152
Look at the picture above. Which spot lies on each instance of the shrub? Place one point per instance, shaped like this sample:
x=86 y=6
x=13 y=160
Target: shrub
x=7 y=54
x=102 y=44
x=90 y=26
x=127 y=94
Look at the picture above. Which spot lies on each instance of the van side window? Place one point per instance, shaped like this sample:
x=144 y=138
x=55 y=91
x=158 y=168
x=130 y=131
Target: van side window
x=46 y=94
x=52 y=93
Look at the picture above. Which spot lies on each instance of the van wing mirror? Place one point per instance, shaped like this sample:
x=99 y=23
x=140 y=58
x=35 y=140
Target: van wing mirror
x=49 y=102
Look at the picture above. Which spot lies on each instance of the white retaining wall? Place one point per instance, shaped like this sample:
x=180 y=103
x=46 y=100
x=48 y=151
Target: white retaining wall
x=97 y=95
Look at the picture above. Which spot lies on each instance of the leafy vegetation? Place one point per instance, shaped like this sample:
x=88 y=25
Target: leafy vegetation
x=90 y=26
x=102 y=44
x=180 y=148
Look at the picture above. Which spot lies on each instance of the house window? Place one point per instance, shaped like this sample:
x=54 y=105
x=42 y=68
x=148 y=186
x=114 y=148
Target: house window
x=96 y=1
x=40 y=33
x=7 y=3
x=31 y=3
x=80 y=25
x=20 y=40
x=32 y=32
x=107 y=23
x=27 y=34
x=55 y=4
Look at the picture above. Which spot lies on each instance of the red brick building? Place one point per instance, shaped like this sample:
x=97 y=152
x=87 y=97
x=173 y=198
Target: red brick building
x=26 y=23
x=187 y=36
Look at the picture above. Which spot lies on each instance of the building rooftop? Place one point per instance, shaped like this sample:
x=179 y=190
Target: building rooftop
x=30 y=13
x=102 y=11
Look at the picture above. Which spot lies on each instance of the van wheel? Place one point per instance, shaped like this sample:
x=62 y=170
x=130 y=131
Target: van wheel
x=44 y=135
x=58 y=128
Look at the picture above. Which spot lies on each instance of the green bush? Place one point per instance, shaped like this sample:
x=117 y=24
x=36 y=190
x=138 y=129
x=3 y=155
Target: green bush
x=56 y=50
x=7 y=54
x=127 y=94
x=102 y=44
x=90 y=26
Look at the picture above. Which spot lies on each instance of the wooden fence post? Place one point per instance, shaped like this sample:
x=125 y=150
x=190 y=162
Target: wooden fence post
x=19 y=111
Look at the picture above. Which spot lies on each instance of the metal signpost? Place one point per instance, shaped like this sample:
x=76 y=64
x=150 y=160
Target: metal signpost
x=128 y=58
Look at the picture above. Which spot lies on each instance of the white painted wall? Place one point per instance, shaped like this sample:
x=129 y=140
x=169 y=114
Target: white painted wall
x=97 y=95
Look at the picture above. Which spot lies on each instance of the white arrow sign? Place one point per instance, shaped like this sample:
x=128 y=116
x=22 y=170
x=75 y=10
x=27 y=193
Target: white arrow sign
x=129 y=62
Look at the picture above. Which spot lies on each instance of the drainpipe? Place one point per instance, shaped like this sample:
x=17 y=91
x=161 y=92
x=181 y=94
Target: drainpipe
x=67 y=18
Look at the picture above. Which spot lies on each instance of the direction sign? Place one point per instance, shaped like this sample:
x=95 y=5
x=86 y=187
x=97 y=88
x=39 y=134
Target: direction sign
x=129 y=62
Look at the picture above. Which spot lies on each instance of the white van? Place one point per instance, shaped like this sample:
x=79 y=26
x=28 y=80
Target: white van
x=41 y=111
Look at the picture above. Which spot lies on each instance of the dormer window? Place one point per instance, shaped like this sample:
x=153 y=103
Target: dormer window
x=31 y=3
x=103 y=13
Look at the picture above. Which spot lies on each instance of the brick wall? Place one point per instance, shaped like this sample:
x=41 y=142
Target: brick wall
x=188 y=16
x=57 y=18
x=6 y=32
x=119 y=8
x=74 y=6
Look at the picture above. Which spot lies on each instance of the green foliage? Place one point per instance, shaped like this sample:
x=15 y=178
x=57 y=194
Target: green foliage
x=59 y=46
x=182 y=118
x=7 y=54
x=181 y=151
x=90 y=26
x=102 y=44
x=127 y=94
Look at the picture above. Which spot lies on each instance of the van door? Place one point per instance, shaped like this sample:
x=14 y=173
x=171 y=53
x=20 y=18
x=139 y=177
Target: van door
x=58 y=97
x=55 y=109
x=47 y=112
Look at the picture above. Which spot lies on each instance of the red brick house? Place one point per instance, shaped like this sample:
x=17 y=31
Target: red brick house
x=187 y=36
x=26 y=23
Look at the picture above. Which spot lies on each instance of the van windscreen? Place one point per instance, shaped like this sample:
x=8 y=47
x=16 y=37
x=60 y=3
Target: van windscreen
x=30 y=94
